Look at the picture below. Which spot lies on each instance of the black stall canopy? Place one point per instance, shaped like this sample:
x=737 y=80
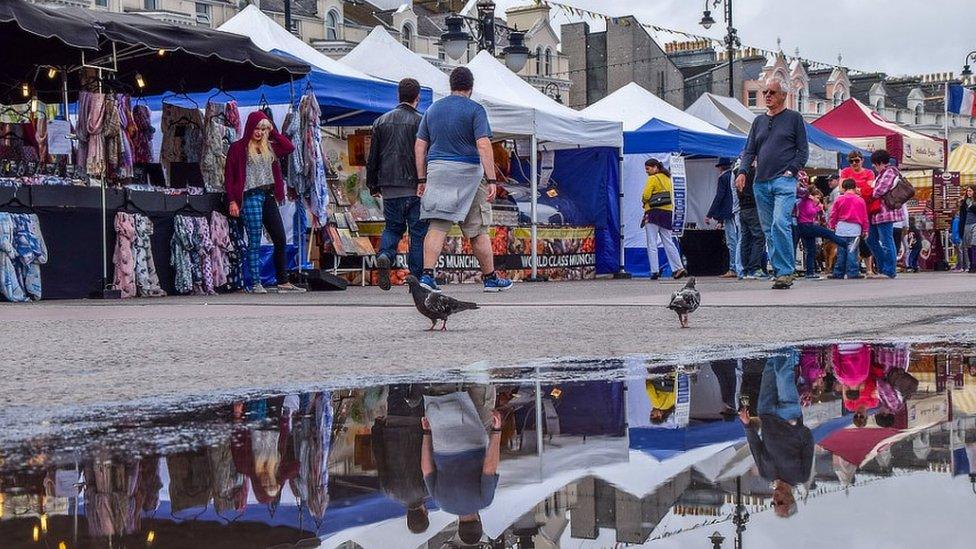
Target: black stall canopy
x=165 y=57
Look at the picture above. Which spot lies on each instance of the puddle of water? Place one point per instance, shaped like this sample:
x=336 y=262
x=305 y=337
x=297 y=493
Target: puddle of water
x=866 y=445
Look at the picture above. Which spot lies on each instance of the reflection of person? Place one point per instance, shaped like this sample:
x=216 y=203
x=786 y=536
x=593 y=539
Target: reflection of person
x=781 y=445
x=459 y=459
x=658 y=210
x=852 y=369
x=397 y=441
x=252 y=177
x=392 y=172
x=663 y=395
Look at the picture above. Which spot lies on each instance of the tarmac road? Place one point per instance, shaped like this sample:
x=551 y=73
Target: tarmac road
x=58 y=354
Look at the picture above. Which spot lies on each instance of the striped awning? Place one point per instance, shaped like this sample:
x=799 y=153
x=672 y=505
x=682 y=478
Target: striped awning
x=963 y=160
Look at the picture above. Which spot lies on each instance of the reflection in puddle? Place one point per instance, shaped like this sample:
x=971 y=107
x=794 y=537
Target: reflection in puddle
x=868 y=445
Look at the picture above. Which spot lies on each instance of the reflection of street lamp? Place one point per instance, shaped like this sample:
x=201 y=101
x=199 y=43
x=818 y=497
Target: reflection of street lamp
x=966 y=71
x=741 y=516
x=716 y=540
x=456 y=39
x=731 y=37
x=552 y=90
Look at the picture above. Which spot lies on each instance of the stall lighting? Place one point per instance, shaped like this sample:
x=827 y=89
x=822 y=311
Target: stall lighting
x=150 y=537
x=161 y=52
x=36 y=536
x=62 y=545
x=25 y=89
x=44 y=522
x=35 y=106
x=140 y=81
x=52 y=72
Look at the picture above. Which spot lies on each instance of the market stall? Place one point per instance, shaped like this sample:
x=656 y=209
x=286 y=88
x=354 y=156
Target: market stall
x=71 y=181
x=572 y=235
x=654 y=128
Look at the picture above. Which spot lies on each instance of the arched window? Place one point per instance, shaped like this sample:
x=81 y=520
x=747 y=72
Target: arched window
x=332 y=25
x=406 y=36
x=918 y=113
x=538 y=61
x=801 y=101
x=838 y=97
x=548 y=63
x=879 y=104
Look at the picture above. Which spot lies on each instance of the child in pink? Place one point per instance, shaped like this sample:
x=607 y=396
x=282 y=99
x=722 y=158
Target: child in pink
x=849 y=220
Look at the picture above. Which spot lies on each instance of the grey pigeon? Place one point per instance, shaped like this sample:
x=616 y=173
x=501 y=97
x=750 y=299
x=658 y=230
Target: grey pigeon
x=685 y=301
x=435 y=305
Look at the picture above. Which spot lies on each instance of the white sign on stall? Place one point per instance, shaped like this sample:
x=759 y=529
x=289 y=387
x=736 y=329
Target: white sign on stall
x=679 y=191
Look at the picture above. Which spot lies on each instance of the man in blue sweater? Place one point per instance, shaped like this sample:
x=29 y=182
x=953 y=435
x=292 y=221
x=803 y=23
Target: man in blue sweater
x=725 y=211
x=778 y=144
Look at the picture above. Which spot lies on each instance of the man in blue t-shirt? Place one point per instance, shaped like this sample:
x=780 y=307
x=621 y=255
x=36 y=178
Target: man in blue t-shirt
x=453 y=154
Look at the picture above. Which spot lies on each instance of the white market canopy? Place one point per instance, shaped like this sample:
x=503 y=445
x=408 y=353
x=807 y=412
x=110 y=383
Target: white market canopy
x=532 y=113
x=635 y=106
x=383 y=56
x=725 y=112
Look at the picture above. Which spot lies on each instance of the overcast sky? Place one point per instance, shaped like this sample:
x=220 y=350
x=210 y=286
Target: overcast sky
x=894 y=36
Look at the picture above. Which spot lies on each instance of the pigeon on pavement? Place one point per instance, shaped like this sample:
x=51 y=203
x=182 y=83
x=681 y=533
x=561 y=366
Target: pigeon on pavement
x=435 y=305
x=685 y=301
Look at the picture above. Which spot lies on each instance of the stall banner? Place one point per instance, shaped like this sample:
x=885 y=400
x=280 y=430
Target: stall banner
x=682 y=404
x=564 y=253
x=679 y=201
x=946 y=190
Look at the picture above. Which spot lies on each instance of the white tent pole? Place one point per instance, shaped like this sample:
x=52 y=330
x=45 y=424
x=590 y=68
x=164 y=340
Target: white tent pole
x=622 y=271
x=534 y=159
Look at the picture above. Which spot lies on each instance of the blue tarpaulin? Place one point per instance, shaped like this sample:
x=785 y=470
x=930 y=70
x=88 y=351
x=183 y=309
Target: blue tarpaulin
x=661 y=137
x=827 y=142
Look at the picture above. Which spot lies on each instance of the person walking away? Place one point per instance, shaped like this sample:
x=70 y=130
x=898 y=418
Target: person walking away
x=962 y=256
x=658 y=210
x=849 y=220
x=967 y=227
x=898 y=233
x=914 y=246
x=809 y=209
x=881 y=236
x=725 y=211
x=391 y=172
x=255 y=187
x=752 y=240
x=781 y=445
x=453 y=154
x=778 y=143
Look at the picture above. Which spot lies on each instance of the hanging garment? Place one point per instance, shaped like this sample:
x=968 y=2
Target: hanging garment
x=31 y=253
x=204 y=255
x=81 y=129
x=142 y=132
x=182 y=135
x=147 y=281
x=237 y=254
x=124 y=169
x=313 y=159
x=216 y=140
x=222 y=246
x=189 y=480
x=124 y=260
x=180 y=255
x=18 y=142
x=293 y=167
x=233 y=118
x=112 y=131
x=95 y=162
x=9 y=281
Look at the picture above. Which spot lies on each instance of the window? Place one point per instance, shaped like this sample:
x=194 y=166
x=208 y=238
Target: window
x=752 y=98
x=838 y=97
x=820 y=107
x=879 y=104
x=538 y=61
x=548 y=64
x=918 y=114
x=332 y=25
x=203 y=14
x=406 y=36
x=801 y=101
x=660 y=84
x=150 y=5
x=441 y=55
x=101 y=3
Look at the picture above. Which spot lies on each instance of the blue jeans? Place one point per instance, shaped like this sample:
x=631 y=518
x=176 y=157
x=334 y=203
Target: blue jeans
x=809 y=233
x=848 y=258
x=881 y=240
x=401 y=214
x=775 y=200
x=913 y=258
x=732 y=241
x=777 y=391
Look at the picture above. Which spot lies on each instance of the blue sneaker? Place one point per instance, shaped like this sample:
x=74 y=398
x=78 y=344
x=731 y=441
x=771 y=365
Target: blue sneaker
x=428 y=282
x=498 y=284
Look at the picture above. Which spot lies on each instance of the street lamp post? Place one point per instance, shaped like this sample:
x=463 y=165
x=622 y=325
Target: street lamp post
x=731 y=37
x=966 y=71
x=456 y=39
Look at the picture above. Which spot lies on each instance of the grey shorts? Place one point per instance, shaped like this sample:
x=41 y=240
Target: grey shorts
x=476 y=222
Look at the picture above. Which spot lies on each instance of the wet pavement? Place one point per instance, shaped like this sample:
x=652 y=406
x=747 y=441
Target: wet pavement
x=851 y=444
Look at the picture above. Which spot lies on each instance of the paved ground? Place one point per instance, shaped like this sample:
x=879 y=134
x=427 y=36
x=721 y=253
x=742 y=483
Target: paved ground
x=57 y=354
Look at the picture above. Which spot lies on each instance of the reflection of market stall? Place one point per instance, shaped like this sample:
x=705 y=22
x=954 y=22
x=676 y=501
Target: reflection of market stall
x=59 y=176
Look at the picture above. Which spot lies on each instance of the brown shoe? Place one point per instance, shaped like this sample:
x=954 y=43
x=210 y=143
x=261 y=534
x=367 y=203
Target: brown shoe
x=680 y=273
x=729 y=274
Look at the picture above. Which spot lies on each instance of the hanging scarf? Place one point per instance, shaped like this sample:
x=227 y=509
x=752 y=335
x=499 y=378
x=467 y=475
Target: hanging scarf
x=81 y=128
x=124 y=260
x=233 y=117
x=112 y=132
x=142 y=135
x=147 y=281
x=95 y=162
x=126 y=128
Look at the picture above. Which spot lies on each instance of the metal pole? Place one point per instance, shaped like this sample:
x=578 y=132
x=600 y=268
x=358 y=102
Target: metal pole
x=104 y=215
x=67 y=117
x=622 y=270
x=538 y=421
x=534 y=159
x=288 y=15
x=730 y=38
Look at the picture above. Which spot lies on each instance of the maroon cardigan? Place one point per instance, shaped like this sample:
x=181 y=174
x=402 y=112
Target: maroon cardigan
x=236 y=167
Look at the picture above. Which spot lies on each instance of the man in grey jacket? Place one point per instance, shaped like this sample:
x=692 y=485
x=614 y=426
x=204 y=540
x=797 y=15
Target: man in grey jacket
x=392 y=173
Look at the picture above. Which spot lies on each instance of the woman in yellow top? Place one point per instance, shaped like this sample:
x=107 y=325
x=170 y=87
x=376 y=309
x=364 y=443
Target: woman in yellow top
x=657 y=198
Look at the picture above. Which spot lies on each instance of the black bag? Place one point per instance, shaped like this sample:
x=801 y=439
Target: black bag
x=900 y=193
x=904 y=382
x=659 y=199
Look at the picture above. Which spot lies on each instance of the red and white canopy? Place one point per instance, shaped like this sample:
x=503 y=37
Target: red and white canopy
x=854 y=122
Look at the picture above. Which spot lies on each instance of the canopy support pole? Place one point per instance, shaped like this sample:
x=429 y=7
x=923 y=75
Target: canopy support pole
x=621 y=273
x=534 y=203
